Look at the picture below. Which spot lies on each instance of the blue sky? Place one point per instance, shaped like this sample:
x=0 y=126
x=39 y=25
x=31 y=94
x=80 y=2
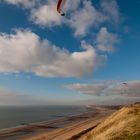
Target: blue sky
x=86 y=55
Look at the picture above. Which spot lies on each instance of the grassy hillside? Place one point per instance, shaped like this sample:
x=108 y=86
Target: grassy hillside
x=121 y=125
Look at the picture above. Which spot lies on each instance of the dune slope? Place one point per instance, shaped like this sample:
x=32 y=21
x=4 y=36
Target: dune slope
x=121 y=125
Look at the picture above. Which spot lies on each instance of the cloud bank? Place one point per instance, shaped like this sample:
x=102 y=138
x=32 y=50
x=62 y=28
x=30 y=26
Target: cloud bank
x=109 y=92
x=109 y=88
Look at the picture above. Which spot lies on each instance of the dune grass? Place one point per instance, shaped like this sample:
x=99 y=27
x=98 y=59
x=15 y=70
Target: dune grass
x=121 y=125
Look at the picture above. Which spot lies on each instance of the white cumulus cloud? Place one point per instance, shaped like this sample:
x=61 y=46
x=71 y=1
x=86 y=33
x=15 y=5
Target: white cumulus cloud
x=81 y=15
x=85 y=18
x=106 y=40
x=25 y=51
x=46 y=15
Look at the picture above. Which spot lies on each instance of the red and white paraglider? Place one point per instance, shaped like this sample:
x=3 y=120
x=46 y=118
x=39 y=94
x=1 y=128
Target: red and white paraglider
x=60 y=6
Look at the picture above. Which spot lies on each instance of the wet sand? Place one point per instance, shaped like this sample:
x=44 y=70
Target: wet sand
x=63 y=129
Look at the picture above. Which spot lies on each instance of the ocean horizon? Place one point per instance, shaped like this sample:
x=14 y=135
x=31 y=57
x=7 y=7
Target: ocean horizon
x=15 y=116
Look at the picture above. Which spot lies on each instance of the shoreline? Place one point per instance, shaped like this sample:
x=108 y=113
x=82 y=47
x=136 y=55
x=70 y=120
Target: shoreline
x=34 y=123
x=50 y=124
x=22 y=125
x=53 y=118
x=57 y=127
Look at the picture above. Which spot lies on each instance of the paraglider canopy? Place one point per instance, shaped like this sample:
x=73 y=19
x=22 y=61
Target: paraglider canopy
x=60 y=6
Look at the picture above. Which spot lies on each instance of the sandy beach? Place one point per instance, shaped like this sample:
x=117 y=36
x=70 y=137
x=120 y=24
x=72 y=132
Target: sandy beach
x=68 y=128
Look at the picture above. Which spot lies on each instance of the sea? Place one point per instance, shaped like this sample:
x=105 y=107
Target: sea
x=16 y=116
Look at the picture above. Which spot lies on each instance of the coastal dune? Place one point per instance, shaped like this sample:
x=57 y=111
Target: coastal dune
x=121 y=125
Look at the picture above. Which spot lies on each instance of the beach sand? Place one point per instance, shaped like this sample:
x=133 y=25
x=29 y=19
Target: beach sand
x=70 y=128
